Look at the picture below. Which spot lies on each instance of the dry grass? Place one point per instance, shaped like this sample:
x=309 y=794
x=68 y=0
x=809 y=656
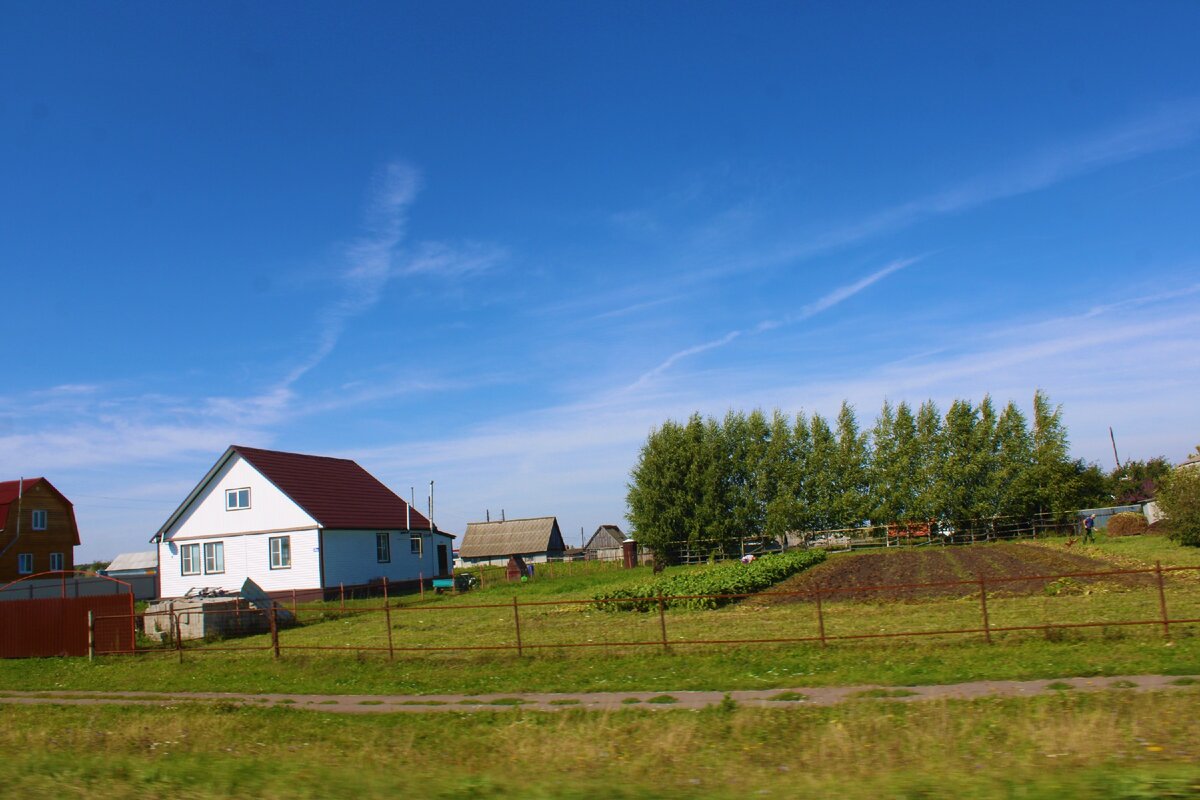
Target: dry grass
x=1099 y=745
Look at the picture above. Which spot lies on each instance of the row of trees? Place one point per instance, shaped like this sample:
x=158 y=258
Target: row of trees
x=704 y=484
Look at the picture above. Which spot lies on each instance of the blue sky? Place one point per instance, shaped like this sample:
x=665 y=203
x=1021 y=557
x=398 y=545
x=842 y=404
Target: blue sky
x=494 y=244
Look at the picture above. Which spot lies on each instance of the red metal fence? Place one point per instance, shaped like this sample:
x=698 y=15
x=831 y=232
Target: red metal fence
x=59 y=626
x=514 y=633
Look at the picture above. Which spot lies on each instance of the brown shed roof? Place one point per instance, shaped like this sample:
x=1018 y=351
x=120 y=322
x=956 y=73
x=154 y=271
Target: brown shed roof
x=511 y=537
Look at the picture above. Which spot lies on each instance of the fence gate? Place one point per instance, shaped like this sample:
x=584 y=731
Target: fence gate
x=59 y=626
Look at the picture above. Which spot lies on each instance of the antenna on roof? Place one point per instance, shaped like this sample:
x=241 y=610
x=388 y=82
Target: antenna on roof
x=431 y=505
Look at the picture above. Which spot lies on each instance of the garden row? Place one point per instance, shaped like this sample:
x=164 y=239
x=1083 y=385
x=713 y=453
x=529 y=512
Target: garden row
x=696 y=588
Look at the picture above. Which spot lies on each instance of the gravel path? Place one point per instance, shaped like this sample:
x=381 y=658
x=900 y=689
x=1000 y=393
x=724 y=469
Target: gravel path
x=608 y=701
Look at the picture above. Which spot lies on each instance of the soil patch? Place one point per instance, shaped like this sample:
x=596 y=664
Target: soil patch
x=909 y=571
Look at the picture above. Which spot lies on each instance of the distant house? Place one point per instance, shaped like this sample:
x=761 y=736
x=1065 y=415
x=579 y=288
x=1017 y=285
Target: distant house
x=293 y=522
x=129 y=565
x=39 y=533
x=605 y=544
x=535 y=540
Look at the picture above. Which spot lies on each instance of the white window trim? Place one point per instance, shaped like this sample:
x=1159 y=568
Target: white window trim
x=383 y=555
x=194 y=560
x=24 y=563
x=235 y=496
x=212 y=547
x=271 y=550
x=59 y=558
x=39 y=514
x=419 y=541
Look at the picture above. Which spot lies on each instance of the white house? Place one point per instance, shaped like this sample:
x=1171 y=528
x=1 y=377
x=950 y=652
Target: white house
x=295 y=522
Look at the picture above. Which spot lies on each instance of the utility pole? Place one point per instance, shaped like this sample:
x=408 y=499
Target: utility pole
x=1114 y=444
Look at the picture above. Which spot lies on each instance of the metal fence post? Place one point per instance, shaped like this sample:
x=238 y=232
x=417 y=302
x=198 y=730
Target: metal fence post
x=662 y=621
x=1162 y=599
x=274 y=629
x=820 y=619
x=342 y=593
x=987 y=628
x=91 y=635
x=387 y=614
x=517 y=621
x=178 y=633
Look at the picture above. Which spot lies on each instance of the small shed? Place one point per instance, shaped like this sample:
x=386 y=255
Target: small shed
x=606 y=544
x=535 y=540
x=515 y=568
x=131 y=564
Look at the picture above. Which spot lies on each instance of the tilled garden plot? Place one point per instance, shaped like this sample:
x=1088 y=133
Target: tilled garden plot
x=912 y=571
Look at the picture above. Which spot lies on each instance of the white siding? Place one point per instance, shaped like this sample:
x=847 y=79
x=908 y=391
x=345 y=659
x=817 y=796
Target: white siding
x=350 y=557
x=246 y=556
x=270 y=509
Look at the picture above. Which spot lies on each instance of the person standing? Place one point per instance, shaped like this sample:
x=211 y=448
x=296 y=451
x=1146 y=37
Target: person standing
x=1089 y=529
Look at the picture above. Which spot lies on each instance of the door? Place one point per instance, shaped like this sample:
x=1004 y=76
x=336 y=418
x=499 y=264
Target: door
x=443 y=561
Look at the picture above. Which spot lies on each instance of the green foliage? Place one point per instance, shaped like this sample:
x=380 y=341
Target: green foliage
x=1138 y=481
x=702 y=486
x=1179 y=499
x=726 y=578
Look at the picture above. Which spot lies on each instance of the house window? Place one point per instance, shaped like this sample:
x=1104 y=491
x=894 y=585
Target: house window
x=414 y=543
x=214 y=557
x=189 y=559
x=237 y=499
x=281 y=552
x=25 y=563
x=56 y=561
x=39 y=519
x=383 y=547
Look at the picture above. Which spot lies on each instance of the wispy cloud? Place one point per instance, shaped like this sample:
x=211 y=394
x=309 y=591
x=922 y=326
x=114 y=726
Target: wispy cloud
x=823 y=303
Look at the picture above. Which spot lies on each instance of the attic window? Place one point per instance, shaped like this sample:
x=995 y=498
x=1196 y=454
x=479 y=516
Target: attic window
x=237 y=499
x=39 y=519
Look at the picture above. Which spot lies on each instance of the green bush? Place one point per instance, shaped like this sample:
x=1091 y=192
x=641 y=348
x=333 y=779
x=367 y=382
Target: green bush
x=1126 y=523
x=1179 y=499
x=729 y=578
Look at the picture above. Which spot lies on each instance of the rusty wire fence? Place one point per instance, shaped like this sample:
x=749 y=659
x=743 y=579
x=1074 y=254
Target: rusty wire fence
x=995 y=609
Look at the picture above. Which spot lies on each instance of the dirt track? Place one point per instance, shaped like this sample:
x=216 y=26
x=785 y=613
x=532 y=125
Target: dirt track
x=998 y=563
x=610 y=701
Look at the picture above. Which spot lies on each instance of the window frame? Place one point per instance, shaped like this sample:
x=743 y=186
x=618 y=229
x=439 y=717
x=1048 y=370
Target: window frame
x=60 y=558
x=235 y=495
x=416 y=544
x=189 y=559
x=383 y=547
x=211 y=549
x=284 y=549
x=35 y=515
x=24 y=563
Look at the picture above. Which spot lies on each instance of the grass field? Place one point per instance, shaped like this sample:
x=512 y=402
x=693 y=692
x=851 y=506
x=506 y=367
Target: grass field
x=448 y=620
x=1109 y=745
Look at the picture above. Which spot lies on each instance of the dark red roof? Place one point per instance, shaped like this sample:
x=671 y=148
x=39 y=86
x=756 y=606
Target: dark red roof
x=8 y=489
x=336 y=492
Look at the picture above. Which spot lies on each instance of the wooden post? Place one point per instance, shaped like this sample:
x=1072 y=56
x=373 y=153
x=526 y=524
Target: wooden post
x=274 y=629
x=987 y=629
x=662 y=621
x=1162 y=599
x=820 y=619
x=517 y=621
x=342 y=594
x=421 y=583
x=91 y=635
x=178 y=634
x=387 y=615
x=294 y=614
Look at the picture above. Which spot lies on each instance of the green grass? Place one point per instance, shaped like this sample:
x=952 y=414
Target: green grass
x=628 y=701
x=450 y=620
x=1087 y=746
x=565 y=701
x=663 y=699
x=1185 y=681
x=788 y=697
x=1059 y=686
